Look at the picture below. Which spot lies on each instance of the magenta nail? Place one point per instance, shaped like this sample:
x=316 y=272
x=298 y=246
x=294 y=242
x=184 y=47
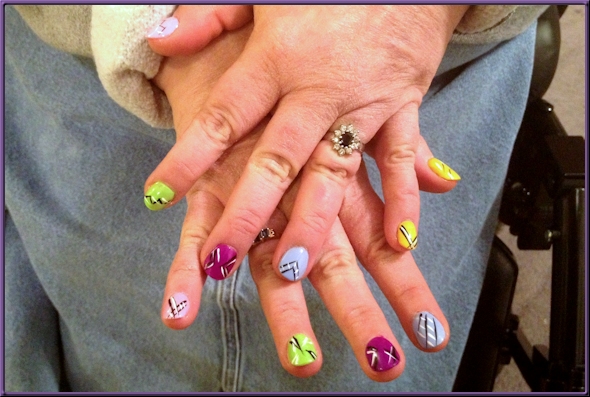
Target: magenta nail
x=163 y=29
x=220 y=261
x=177 y=306
x=381 y=354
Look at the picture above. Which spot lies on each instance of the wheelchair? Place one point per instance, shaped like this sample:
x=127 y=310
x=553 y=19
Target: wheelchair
x=543 y=203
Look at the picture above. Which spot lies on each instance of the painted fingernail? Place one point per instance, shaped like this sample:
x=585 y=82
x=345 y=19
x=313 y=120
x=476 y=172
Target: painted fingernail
x=177 y=306
x=163 y=29
x=407 y=235
x=294 y=263
x=158 y=196
x=381 y=354
x=443 y=170
x=428 y=330
x=220 y=261
x=301 y=350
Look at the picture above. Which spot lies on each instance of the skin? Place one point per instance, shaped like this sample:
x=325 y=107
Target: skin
x=187 y=80
x=367 y=65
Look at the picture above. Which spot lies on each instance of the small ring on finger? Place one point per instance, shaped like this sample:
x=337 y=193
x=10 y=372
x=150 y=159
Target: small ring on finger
x=345 y=140
x=265 y=234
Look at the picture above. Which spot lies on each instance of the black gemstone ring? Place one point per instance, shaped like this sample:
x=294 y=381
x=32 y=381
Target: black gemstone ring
x=346 y=140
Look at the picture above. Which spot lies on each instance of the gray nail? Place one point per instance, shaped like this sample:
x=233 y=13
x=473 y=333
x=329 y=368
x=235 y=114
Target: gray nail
x=428 y=330
x=294 y=263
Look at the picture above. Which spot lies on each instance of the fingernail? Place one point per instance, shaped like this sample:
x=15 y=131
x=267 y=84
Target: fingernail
x=294 y=263
x=158 y=196
x=177 y=306
x=381 y=354
x=428 y=330
x=301 y=350
x=163 y=29
x=443 y=170
x=407 y=235
x=220 y=261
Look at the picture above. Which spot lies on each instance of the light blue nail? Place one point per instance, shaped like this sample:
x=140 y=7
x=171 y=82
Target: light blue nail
x=428 y=330
x=294 y=263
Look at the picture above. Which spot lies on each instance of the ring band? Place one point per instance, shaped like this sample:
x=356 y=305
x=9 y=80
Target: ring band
x=346 y=140
x=265 y=234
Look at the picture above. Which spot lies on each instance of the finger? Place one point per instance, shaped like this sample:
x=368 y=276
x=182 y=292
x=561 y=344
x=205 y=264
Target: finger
x=205 y=206
x=186 y=277
x=283 y=304
x=270 y=170
x=193 y=27
x=395 y=155
x=396 y=274
x=323 y=182
x=241 y=98
x=286 y=145
x=433 y=175
x=342 y=287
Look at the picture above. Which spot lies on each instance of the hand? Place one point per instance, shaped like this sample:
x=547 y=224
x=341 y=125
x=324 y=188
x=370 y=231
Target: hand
x=319 y=202
x=336 y=274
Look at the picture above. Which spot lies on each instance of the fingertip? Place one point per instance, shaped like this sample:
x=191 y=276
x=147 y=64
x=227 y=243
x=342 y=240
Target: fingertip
x=407 y=235
x=431 y=333
x=192 y=28
x=434 y=176
x=384 y=361
x=158 y=196
x=177 y=310
x=443 y=170
x=402 y=236
x=293 y=264
x=303 y=356
x=162 y=29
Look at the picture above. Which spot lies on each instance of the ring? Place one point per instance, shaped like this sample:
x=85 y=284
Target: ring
x=346 y=140
x=265 y=234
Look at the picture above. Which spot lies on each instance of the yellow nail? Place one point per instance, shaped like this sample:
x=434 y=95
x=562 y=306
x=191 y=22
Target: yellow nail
x=443 y=170
x=407 y=235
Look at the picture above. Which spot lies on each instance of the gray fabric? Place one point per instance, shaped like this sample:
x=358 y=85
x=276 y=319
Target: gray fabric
x=513 y=24
x=84 y=247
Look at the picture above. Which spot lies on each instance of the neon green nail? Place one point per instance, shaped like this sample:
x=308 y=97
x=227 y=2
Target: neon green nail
x=301 y=350
x=158 y=196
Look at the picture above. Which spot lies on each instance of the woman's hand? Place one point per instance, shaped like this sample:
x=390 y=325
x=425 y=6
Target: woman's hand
x=351 y=71
x=336 y=275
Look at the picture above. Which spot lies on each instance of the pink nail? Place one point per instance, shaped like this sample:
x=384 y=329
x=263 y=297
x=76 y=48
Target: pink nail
x=163 y=29
x=177 y=306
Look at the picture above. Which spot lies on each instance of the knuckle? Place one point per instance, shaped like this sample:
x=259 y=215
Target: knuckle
x=334 y=171
x=358 y=314
x=184 y=168
x=401 y=156
x=337 y=265
x=263 y=267
x=378 y=252
x=287 y=311
x=317 y=222
x=193 y=236
x=218 y=126
x=407 y=292
x=276 y=169
x=406 y=194
x=246 y=223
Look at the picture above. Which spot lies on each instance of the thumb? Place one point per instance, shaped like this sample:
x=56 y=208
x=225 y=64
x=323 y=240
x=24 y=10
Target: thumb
x=192 y=27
